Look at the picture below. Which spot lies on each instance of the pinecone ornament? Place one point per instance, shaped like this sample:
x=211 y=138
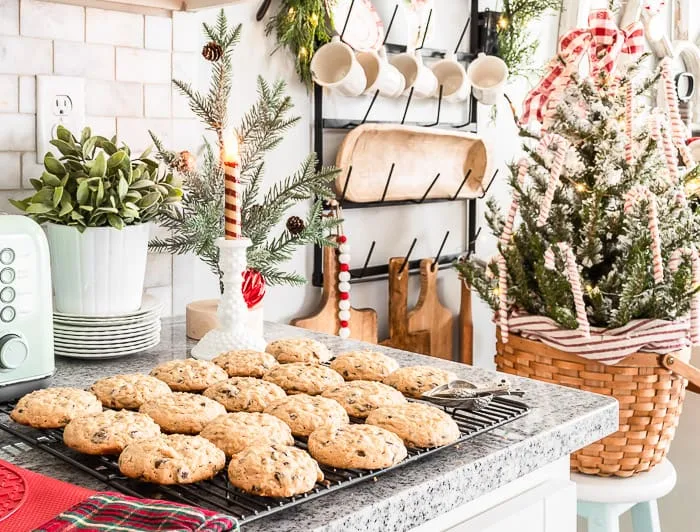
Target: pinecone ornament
x=185 y=162
x=295 y=225
x=212 y=51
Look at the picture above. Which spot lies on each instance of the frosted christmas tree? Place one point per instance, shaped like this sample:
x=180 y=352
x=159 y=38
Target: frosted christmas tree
x=599 y=233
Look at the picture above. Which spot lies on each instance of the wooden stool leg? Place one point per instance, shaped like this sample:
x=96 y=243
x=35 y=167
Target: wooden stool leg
x=601 y=517
x=645 y=517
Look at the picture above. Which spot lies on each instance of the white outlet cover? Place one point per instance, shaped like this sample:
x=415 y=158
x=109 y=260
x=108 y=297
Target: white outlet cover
x=59 y=100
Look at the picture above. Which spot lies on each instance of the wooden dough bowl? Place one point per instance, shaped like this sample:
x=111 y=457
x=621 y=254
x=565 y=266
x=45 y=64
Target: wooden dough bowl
x=418 y=154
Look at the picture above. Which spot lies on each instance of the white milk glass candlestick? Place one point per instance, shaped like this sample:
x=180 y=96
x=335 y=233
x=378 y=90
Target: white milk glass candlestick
x=233 y=332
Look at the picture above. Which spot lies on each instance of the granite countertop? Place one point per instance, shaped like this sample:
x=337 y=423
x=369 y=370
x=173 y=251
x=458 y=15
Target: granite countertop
x=561 y=421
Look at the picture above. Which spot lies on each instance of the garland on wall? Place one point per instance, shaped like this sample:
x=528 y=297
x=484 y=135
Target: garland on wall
x=302 y=26
x=515 y=42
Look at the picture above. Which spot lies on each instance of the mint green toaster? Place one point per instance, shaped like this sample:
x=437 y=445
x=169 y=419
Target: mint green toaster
x=26 y=319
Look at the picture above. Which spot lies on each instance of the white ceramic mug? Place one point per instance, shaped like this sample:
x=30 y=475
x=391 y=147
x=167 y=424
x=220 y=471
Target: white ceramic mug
x=334 y=66
x=418 y=76
x=380 y=74
x=452 y=77
x=488 y=75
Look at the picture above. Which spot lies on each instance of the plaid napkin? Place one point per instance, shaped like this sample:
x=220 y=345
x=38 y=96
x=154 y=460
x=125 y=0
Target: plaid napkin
x=119 y=513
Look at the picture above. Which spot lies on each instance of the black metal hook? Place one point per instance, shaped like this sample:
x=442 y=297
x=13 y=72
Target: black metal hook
x=391 y=24
x=345 y=26
x=388 y=180
x=408 y=104
x=470 y=251
x=408 y=255
x=345 y=186
x=427 y=27
x=461 y=186
x=436 y=260
x=437 y=119
x=425 y=194
x=369 y=256
x=461 y=37
x=484 y=191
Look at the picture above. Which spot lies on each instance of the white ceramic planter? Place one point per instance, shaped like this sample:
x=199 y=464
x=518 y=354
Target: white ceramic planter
x=99 y=271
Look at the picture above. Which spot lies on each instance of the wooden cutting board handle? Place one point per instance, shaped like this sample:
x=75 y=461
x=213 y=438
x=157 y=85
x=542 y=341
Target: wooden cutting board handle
x=399 y=335
x=466 y=326
x=363 y=322
x=431 y=315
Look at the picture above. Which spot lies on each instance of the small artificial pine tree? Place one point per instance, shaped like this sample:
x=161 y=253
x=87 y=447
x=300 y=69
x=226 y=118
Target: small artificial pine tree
x=196 y=226
x=613 y=245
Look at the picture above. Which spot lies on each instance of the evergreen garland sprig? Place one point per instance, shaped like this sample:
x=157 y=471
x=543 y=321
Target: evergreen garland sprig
x=302 y=26
x=196 y=226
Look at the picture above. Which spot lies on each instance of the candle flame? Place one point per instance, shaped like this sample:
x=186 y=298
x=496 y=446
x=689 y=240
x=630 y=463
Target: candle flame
x=231 y=153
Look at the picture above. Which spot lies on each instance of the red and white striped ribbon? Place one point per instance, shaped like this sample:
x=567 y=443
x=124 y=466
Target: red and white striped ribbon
x=633 y=196
x=673 y=265
x=574 y=278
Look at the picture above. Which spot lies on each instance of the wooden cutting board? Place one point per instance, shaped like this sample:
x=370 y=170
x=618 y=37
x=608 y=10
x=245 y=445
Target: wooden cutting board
x=363 y=322
x=466 y=326
x=431 y=315
x=399 y=335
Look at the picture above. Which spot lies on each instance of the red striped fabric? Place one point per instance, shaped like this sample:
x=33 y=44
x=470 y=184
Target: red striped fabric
x=608 y=346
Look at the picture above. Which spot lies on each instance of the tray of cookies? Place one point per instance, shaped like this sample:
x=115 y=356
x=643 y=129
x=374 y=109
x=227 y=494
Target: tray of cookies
x=249 y=433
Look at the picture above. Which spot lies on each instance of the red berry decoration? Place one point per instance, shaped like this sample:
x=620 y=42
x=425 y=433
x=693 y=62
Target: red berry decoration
x=342 y=239
x=344 y=296
x=253 y=287
x=344 y=267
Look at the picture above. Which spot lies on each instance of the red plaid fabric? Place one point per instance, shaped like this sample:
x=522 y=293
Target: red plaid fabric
x=115 y=512
x=603 y=41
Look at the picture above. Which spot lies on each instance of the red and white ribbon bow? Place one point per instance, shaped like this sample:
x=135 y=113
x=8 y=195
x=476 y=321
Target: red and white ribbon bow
x=603 y=41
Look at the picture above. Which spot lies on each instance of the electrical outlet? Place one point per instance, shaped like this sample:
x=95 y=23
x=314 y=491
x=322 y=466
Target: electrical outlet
x=60 y=100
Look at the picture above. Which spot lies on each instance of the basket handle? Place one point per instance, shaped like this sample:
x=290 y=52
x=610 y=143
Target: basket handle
x=671 y=363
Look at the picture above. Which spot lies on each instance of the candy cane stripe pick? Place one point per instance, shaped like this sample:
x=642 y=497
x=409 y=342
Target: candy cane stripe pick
x=673 y=265
x=639 y=193
x=574 y=278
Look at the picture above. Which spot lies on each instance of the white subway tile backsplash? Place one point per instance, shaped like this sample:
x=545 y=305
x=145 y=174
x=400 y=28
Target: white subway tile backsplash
x=30 y=169
x=180 y=105
x=187 y=32
x=22 y=55
x=9 y=171
x=113 y=27
x=27 y=94
x=159 y=33
x=17 y=132
x=159 y=270
x=134 y=131
x=113 y=98
x=157 y=101
x=165 y=296
x=9 y=94
x=188 y=134
x=105 y=126
x=92 y=61
x=144 y=66
x=50 y=20
x=9 y=17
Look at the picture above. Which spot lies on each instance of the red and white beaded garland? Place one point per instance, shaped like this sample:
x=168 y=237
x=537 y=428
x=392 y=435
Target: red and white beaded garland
x=344 y=286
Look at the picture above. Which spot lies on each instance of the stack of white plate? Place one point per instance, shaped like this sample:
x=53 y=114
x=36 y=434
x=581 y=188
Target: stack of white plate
x=108 y=336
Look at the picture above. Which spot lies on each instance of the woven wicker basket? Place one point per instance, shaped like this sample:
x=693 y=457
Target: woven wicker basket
x=650 y=396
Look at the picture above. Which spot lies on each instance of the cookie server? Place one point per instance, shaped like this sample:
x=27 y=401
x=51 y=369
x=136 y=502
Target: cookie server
x=26 y=328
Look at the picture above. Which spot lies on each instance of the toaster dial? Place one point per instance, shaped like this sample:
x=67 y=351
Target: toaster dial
x=13 y=351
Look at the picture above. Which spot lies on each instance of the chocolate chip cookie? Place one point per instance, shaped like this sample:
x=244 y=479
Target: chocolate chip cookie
x=128 y=391
x=186 y=413
x=274 y=471
x=108 y=432
x=417 y=424
x=246 y=363
x=416 y=380
x=52 y=408
x=245 y=394
x=364 y=365
x=173 y=459
x=359 y=398
x=300 y=377
x=234 y=432
x=189 y=375
x=356 y=447
x=288 y=350
x=305 y=413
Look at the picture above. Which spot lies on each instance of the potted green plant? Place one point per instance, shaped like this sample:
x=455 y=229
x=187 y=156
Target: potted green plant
x=97 y=203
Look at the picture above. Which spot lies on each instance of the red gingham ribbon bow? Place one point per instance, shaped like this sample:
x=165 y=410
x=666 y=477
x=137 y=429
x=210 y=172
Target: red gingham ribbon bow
x=604 y=43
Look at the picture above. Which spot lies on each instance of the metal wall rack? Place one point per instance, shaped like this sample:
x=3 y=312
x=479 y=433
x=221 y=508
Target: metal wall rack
x=369 y=273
